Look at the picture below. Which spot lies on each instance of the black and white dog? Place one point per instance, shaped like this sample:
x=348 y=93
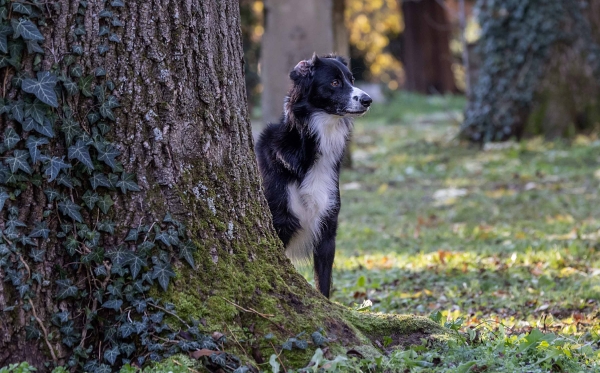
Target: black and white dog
x=299 y=159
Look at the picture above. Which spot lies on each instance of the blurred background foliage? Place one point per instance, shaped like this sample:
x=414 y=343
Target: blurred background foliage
x=524 y=67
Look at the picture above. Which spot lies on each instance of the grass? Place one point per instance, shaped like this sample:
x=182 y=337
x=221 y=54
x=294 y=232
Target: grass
x=500 y=243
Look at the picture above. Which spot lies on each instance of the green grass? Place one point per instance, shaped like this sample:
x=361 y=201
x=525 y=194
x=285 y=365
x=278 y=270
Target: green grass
x=505 y=240
x=405 y=107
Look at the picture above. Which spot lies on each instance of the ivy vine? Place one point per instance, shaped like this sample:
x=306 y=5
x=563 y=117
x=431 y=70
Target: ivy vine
x=105 y=315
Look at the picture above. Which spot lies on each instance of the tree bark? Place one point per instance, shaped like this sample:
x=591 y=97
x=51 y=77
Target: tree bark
x=426 y=50
x=182 y=128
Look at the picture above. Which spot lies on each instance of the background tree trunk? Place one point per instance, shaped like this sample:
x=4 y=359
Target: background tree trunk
x=540 y=71
x=294 y=30
x=183 y=129
x=425 y=48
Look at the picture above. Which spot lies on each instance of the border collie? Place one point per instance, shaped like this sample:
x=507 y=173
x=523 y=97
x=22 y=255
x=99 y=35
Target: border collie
x=299 y=160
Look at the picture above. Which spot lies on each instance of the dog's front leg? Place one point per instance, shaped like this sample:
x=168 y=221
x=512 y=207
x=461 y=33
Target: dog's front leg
x=323 y=258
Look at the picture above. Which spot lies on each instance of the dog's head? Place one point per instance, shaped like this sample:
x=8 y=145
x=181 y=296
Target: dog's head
x=325 y=84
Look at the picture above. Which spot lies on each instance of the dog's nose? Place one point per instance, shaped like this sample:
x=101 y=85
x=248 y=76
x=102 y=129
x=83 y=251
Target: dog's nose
x=366 y=100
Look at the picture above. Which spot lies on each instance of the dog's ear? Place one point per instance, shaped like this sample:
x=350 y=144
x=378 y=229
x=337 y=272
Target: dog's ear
x=301 y=70
x=304 y=68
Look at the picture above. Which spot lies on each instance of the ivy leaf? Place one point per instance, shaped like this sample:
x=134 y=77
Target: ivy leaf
x=117 y=3
x=163 y=237
x=107 y=226
x=136 y=264
x=126 y=183
x=103 y=30
x=41 y=230
x=112 y=102
x=90 y=199
x=100 y=271
x=32 y=144
x=126 y=329
x=53 y=167
x=107 y=154
x=71 y=129
x=63 y=179
x=21 y=8
x=132 y=235
x=17 y=111
x=26 y=29
x=5 y=30
x=81 y=152
x=127 y=348
x=113 y=304
x=93 y=117
x=3 y=197
x=44 y=129
x=51 y=194
x=29 y=124
x=18 y=162
x=42 y=87
x=319 y=339
x=104 y=203
x=79 y=30
x=77 y=49
x=70 y=209
x=76 y=71
x=10 y=138
x=119 y=256
x=103 y=368
x=162 y=272
x=85 y=84
x=106 y=112
x=99 y=72
x=67 y=291
x=105 y=14
x=33 y=46
x=36 y=110
x=98 y=179
x=31 y=332
x=104 y=128
x=37 y=255
x=186 y=252
x=102 y=49
x=114 y=38
x=71 y=87
x=117 y=22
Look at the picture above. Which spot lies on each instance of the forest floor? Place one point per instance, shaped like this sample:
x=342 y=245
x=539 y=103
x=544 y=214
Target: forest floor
x=501 y=243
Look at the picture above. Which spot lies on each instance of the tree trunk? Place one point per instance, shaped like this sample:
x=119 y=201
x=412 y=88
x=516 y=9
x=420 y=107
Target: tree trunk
x=81 y=278
x=294 y=30
x=540 y=71
x=426 y=50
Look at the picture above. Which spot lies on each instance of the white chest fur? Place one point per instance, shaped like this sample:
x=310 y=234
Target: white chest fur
x=312 y=199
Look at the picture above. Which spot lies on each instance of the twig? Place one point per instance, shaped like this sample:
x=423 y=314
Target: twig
x=170 y=313
x=35 y=316
x=266 y=316
x=236 y=341
x=278 y=354
x=26 y=266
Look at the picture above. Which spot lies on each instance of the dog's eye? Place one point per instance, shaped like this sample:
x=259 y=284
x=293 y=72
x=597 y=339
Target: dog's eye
x=335 y=83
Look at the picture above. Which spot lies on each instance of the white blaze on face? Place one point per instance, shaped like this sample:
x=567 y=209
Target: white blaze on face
x=354 y=104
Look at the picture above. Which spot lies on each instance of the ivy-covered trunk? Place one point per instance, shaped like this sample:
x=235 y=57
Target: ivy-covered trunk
x=540 y=71
x=133 y=224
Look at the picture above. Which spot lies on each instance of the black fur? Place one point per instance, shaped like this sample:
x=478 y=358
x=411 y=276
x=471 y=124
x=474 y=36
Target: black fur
x=299 y=159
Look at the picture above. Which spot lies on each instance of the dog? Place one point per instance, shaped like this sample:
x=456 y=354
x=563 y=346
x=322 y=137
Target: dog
x=299 y=160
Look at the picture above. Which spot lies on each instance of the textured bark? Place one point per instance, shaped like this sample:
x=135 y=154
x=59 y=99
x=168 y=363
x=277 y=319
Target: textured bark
x=425 y=48
x=183 y=129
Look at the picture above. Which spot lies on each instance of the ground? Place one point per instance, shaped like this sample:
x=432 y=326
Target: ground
x=503 y=238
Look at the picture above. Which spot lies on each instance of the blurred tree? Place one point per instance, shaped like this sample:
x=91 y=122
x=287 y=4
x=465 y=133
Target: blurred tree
x=426 y=47
x=540 y=70
x=294 y=30
x=251 y=12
